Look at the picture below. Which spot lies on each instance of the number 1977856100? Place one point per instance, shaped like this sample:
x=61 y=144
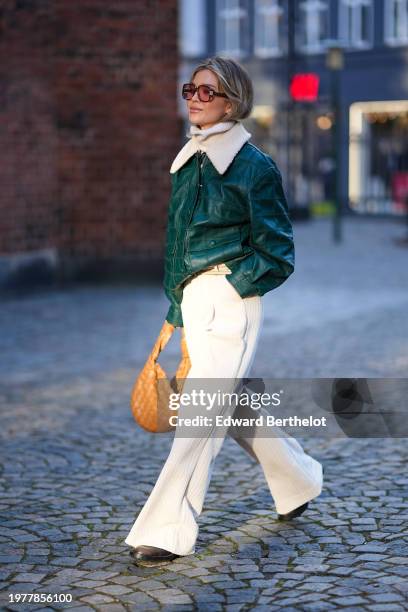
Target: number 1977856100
x=40 y=598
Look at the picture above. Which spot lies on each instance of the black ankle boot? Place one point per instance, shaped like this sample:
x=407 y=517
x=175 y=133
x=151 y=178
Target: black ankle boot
x=293 y=513
x=296 y=512
x=152 y=554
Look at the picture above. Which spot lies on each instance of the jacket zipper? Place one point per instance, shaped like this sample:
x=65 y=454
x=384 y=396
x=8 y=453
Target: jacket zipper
x=200 y=159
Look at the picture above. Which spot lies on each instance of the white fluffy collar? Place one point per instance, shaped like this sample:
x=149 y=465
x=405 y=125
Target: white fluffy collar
x=221 y=143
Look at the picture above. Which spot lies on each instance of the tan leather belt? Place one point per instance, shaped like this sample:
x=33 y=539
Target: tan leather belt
x=218 y=269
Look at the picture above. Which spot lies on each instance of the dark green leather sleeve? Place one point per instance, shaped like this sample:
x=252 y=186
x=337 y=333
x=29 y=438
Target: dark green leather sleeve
x=271 y=237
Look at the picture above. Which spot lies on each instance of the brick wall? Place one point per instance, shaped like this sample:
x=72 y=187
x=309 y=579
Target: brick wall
x=88 y=130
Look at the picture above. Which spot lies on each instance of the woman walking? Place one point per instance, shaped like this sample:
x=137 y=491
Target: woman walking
x=229 y=241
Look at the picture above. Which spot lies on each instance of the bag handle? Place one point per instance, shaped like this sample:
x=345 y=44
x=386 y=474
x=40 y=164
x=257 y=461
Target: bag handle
x=164 y=336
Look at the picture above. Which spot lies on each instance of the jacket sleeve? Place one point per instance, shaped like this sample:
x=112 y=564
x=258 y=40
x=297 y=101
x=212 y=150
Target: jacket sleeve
x=175 y=295
x=271 y=238
x=174 y=315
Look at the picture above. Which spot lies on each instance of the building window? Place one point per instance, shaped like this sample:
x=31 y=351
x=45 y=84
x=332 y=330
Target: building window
x=356 y=23
x=378 y=157
x=192 y=28
x=312 y=26
x=396 y=22
x=268 y=30
x=232 y=27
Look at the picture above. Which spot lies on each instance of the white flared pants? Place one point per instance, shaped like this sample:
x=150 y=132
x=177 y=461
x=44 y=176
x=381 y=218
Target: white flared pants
x=222 y=331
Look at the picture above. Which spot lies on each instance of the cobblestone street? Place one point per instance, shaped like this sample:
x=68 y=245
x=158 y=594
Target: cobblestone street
x=76 y=469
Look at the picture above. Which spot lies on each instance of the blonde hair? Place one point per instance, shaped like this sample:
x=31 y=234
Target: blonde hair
x=234 y=81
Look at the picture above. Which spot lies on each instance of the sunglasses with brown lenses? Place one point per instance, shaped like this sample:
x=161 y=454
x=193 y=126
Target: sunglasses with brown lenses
x=205 y=92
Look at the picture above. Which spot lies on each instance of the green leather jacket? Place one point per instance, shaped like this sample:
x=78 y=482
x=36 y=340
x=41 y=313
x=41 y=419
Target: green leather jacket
x=239 y=218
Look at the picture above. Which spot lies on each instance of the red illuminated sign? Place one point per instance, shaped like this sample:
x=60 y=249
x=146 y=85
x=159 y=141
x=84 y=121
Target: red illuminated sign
x=304 y=87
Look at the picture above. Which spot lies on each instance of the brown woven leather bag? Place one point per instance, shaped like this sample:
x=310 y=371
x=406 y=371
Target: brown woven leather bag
x=150 y=394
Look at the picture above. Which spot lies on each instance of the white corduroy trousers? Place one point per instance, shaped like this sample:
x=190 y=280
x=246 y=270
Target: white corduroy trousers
x=222 y=331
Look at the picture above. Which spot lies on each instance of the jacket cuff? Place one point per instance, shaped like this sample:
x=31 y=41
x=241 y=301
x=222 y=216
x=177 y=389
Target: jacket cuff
x=241 y=284
x=247 y=288
x=174 y=316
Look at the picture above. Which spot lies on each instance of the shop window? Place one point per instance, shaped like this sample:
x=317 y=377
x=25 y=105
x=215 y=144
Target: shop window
x=356 y=23
x=396 y=22
x=268 y=28
x=378 y=157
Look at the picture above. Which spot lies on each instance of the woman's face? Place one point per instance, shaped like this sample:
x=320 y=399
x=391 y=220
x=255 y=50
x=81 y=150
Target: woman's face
x=206 y=114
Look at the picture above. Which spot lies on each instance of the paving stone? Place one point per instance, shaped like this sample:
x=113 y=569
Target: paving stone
x=233 y=567
x=248 y=575
x=350 y=601
x=387 y=597
x=384 y=607
x=149 y=585
x=100 y=575
x=371 y=547
x=241 y=596
x=398 y=560
x=29 y=577
x=315 y=586
x=111 y=608
x=97 y=599
x=207 y=598
x=343 y=591
x=68 y=561
x=289 y=576
x=82 y=609
x=91 y=584
x=371 y=557
x=139 y=599
x=114 y=589
x=229 y=584
x=215 y=578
